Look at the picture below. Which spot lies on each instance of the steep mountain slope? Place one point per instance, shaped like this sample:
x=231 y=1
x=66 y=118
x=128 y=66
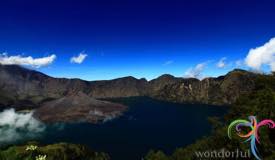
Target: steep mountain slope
x=22 y=86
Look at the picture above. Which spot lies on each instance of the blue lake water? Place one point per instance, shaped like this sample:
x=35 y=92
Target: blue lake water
x=148 y=124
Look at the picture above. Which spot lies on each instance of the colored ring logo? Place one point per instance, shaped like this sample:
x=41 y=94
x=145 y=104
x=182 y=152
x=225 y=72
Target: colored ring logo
x=253 y=135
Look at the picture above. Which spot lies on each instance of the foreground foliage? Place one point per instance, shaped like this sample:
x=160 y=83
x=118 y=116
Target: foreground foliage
x=60 y=151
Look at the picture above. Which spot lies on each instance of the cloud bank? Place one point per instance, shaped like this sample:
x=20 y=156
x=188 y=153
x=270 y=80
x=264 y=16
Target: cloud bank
x=27 y=61
x=196 y=72
x=79 y=59
x=262 y=55
x=221 y=63
x=16 y=126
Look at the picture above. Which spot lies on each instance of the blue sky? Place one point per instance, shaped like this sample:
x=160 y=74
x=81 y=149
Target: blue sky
x=141 y=38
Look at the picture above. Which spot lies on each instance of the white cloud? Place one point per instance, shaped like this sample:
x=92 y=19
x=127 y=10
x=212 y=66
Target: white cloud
x=263 y=55
x=221 y=63
x=196 y=72
x=27 y=61
x=79 y=59
x=168 y=62
x=18 y=126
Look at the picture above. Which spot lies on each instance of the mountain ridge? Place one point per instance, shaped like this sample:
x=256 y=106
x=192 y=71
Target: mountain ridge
x=21 y=85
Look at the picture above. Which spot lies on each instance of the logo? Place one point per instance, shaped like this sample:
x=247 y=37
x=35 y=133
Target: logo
x=253 y=135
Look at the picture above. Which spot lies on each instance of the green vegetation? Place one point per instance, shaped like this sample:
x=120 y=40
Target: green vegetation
x=260 y=102
x=60 y=151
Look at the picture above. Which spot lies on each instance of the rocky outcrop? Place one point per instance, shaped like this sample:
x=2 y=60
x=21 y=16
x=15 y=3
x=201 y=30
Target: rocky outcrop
x=19 y=86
